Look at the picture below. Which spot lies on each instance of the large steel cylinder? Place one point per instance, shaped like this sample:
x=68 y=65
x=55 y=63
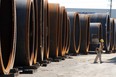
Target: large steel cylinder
x=75 y=32
x=8 y=33
x=67 y=43
x=68 y=36
x=85 y=33
x=39 y=35
x=36 y=6
x=25 y=33
x=66 y=29
x=104 y=19
x=62 y=30
x=46 y=31
x=95 y=35
x=112 y=28
x=53 y=22
x=114 y=34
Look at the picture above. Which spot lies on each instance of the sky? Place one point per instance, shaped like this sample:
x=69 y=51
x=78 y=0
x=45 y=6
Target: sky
x=98 y=4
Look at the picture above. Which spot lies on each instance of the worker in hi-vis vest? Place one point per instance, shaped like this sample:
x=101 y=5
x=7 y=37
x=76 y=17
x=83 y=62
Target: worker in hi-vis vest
x=99 y=50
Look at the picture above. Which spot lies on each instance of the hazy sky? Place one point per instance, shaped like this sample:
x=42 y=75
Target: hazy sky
x=103 y=4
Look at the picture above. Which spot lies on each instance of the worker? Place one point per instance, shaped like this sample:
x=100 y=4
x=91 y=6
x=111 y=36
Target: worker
x=99 y=50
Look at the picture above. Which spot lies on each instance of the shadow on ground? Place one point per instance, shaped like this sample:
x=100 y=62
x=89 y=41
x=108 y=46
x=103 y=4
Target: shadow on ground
x=112 y=60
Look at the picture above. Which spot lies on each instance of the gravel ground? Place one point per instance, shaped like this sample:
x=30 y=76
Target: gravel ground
x=79 y=66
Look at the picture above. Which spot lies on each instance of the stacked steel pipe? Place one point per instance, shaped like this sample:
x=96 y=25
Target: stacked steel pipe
x=75 y=32
x=39 y=53
x=66 y=32
x=35 y=30
x=46 y=31
x=112 y=28
x=104 y=19
x=62 y=31
x=95 y=35
x=53 y=22
x=25 y=33
x=85 y=34
x=114 y=34
x=68 y=36
x=8 y=33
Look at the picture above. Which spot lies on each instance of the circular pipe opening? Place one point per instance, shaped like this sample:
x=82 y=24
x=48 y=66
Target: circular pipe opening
x=68 y=40
x=103 y=18
x=112 y=34
x=88 y=34
x=7 y=35
x=32 y=33
x=46 y=31
x=95 y=35
x=77 y=32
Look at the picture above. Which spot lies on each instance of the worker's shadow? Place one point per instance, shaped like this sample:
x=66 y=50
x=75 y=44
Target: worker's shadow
x=112 y=60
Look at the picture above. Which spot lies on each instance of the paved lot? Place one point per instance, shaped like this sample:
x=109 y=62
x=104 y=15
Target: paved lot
x=79 y=66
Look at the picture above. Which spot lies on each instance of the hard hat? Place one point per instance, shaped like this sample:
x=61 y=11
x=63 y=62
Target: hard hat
x=101 y=40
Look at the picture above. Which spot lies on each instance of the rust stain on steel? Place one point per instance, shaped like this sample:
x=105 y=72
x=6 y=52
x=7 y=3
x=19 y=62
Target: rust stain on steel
x=85 y=33
x=53 y=27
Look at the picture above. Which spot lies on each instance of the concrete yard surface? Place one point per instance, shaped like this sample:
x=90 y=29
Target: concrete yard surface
x=79 y=66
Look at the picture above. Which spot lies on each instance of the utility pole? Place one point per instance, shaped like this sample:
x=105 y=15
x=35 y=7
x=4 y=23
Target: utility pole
x=110 y=7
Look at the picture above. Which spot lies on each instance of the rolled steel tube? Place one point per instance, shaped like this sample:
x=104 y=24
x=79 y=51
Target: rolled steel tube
x=53 y=14
x=115 y=34
x=75 y=32
x=25 y=33
x=46 y=31
x=85 y=33
x=62 y=31
x=8 y=33
x=104 y=19
x=112 y=25
x=68 y=35
x=95 y=33
x=36 y=31
x=39 y=36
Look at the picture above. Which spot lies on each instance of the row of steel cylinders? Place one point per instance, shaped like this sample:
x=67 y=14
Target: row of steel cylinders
x=34 y=30
x=31 y=31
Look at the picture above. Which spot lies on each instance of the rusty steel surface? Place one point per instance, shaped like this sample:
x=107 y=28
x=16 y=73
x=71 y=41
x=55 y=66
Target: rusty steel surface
x=39 y=28
x=96 y=34
x=75 y=28
x=46 y=31
x=66 y=33
x=114 y=34
x=8 y=33
x=53 y=13
x=60 y=53
x=25 y=33
x=104 y=19
x=112 y=28
x=68 y=36
x=85 y=33
x=39 y=35
x=36 y=48
x=62 y=31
